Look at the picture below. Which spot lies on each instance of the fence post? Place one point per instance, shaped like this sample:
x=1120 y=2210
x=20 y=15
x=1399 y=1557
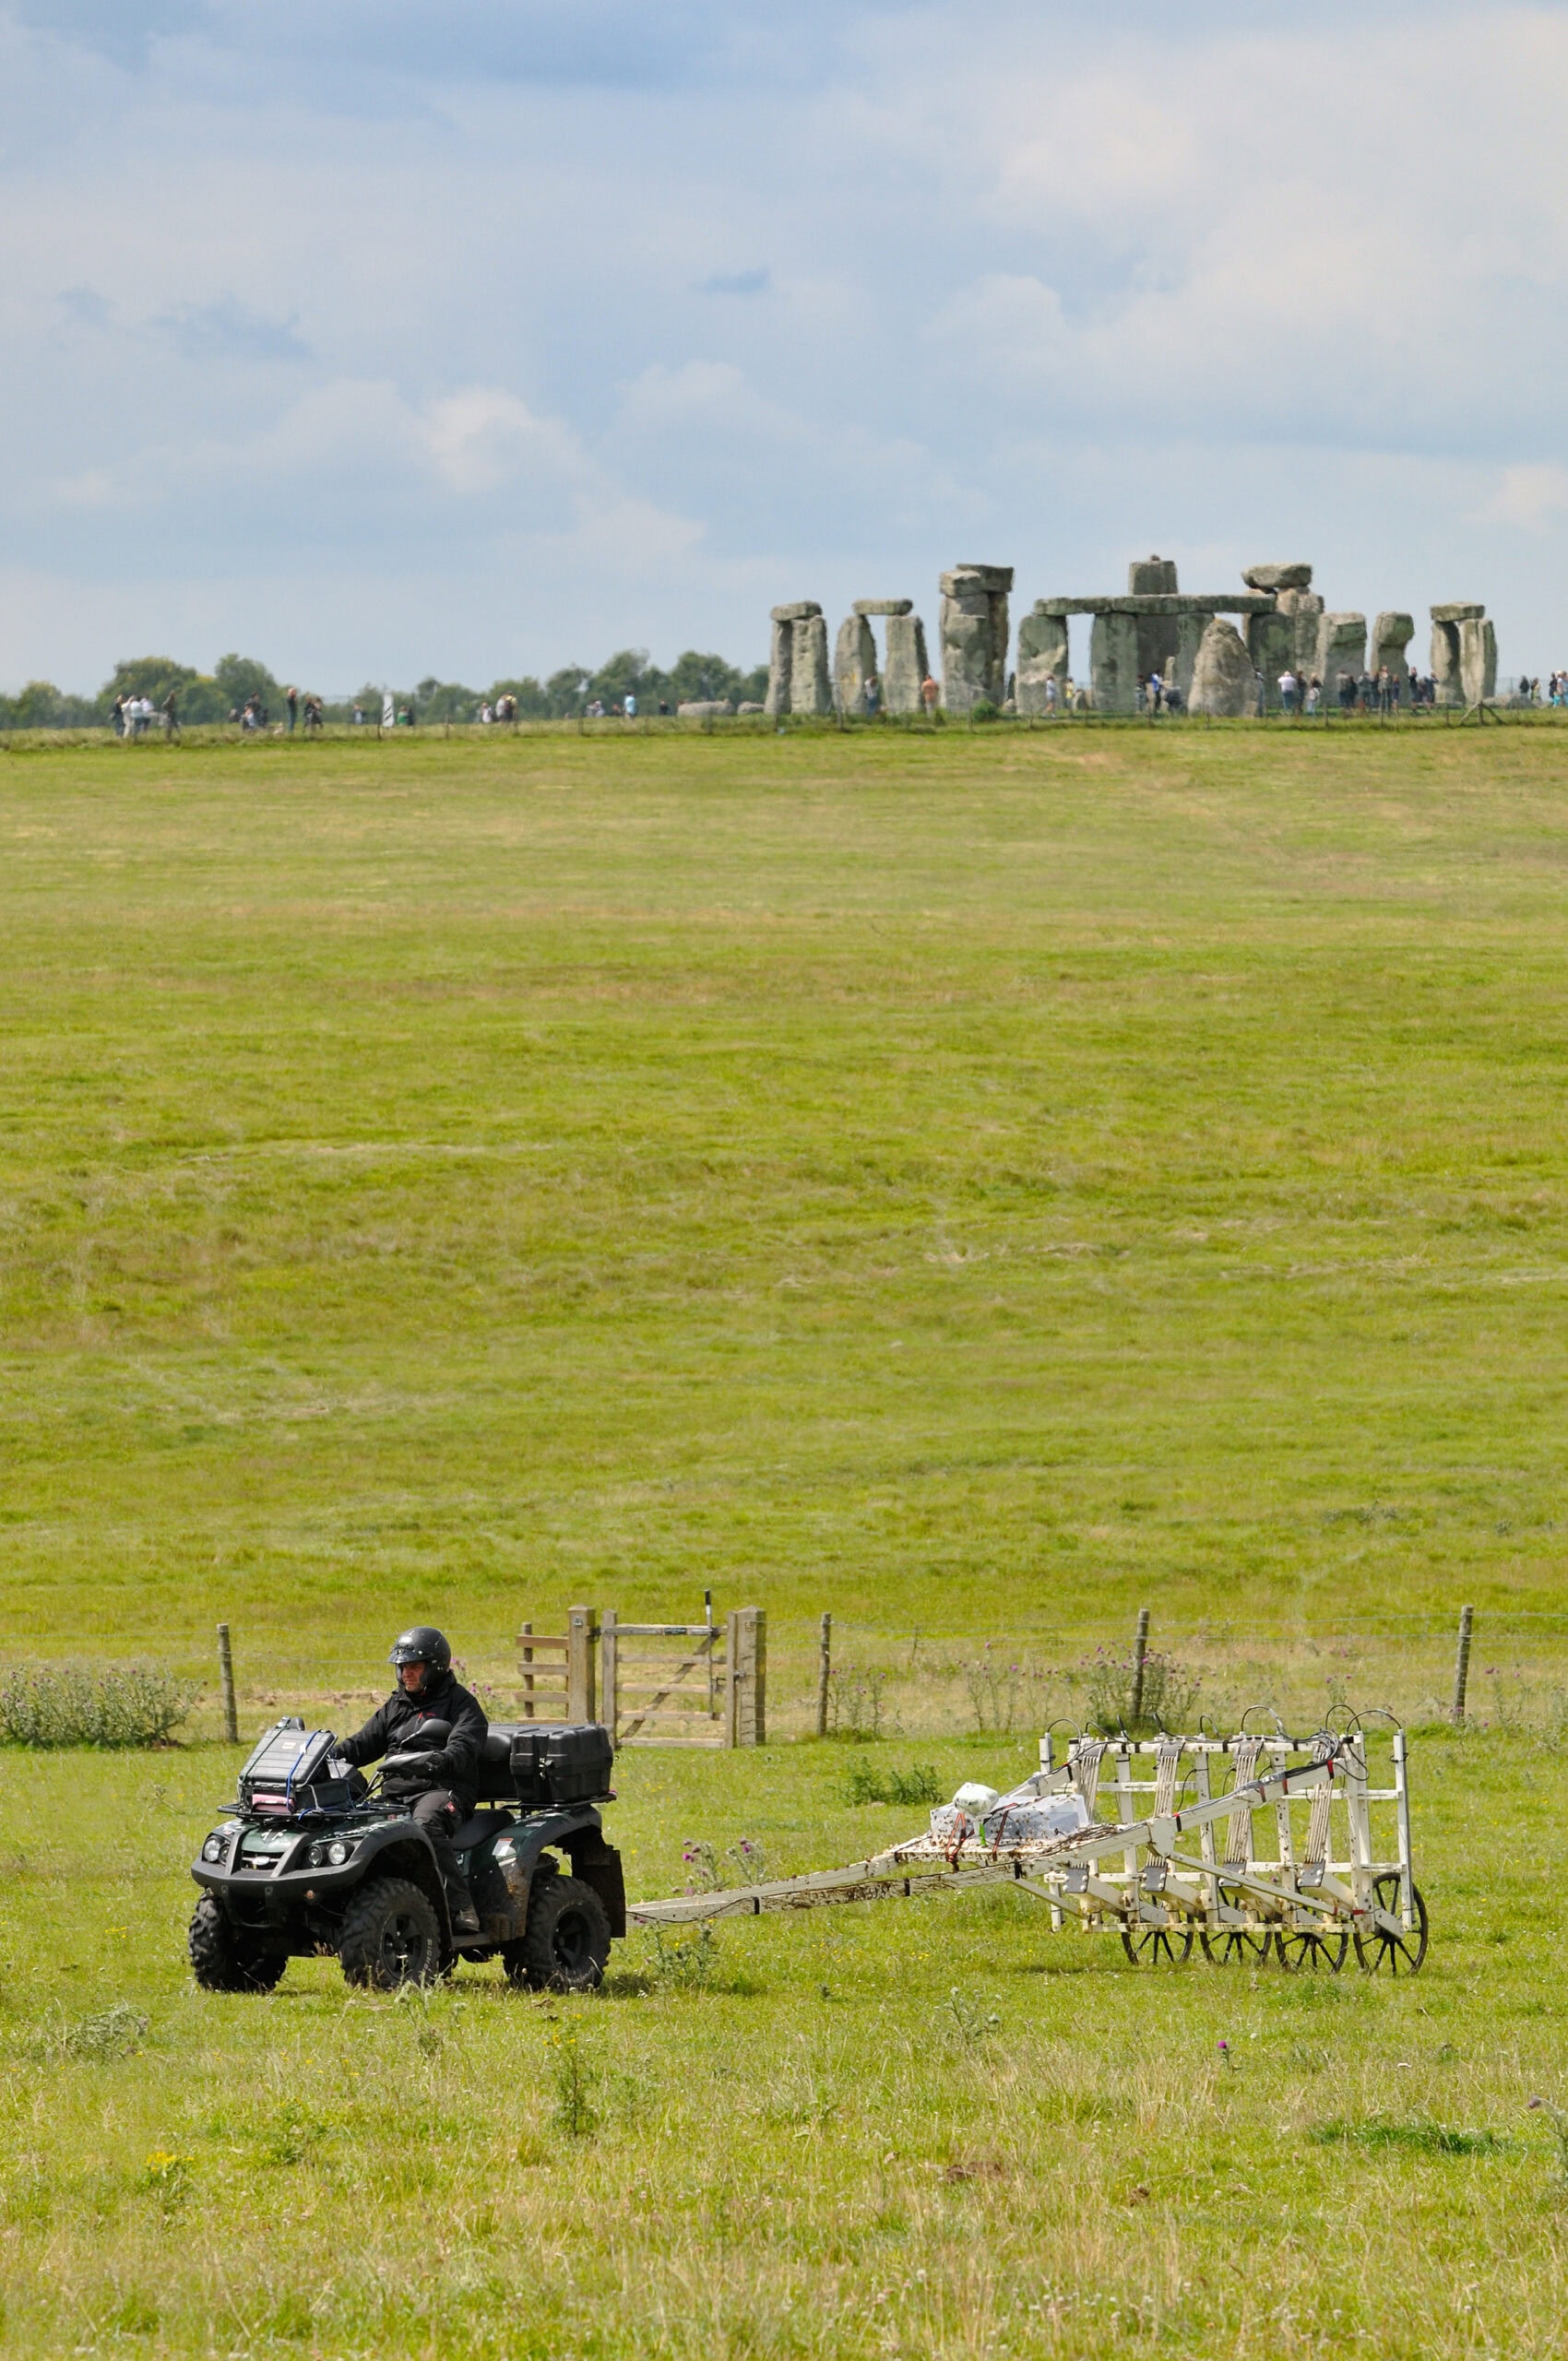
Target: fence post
x=226 y=1676
x=524 y=1636
x=824 y=1674
x=1462 y=1665
x=582 y=1630
x=609 y=1675
x=1140 y=1649
x=747 y=1719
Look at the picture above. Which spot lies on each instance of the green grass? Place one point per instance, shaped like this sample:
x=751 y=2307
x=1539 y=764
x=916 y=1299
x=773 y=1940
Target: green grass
x=977 y=1184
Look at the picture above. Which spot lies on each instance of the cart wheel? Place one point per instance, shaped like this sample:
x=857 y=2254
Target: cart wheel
x=1235 y=1947
x=1306 y=1951
x=1381 y=1954
x=1156 y=1946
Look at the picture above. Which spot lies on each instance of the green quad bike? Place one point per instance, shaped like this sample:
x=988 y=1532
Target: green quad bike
x=316 y=1859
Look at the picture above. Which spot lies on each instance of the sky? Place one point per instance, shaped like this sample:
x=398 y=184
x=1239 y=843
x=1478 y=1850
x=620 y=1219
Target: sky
x=384 y=338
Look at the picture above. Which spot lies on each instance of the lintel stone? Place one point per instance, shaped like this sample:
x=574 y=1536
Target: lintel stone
x=1458 y=614
x=885 y=607
x=1157 y=602
x=801 y=612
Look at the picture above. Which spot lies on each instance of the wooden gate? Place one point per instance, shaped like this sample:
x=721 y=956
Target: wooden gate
x=710 y=1688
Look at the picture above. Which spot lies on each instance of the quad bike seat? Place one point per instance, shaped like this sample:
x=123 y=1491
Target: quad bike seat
x=475 y=1830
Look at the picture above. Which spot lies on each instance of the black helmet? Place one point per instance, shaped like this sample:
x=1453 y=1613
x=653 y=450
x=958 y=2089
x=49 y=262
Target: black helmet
x=424 y=1644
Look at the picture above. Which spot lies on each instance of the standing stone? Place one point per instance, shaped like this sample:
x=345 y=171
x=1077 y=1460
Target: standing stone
x=1305 y=609
x=1190 y=629
x=1477 y=659
x=1341 y=648
x=974 y=636
x=1042 y=657
x=853 y=658
x=811 y=690
x=906 y=668
x=1113 y=663
x=1271 y=644
x=1391 y=637
x=782 y=655
x=1277 y=577
x=1223 y=681
x=1445 y=662
x=1156 y=633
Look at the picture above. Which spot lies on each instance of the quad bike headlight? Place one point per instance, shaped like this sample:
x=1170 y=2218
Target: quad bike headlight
x=332 y=1854
x=338 y=1852
x=213 y=1849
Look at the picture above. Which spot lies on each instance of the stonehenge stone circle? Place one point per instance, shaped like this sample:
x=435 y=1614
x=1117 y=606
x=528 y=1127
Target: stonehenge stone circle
x=1155 y=627
x=974 y=636
x=1224 y=682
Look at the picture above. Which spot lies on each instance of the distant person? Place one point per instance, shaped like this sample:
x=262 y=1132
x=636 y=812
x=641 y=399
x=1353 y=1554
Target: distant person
x=871 y=696
x=172 y=713
x=1289 y=689
x=313 y=716
x=117 y=717
x=1315 y=695
x=1156 y=691
x=1050 y=696
x=291 y=699
x=485 y=716
x=630 y=707
x=930 y=694
x=664 y=706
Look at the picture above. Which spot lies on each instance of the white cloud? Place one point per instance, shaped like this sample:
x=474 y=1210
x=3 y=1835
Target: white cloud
x=1528 y=495
x=611 y=324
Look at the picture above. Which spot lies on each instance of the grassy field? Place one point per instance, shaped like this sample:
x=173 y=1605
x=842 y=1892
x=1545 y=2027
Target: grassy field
x=976 y=1183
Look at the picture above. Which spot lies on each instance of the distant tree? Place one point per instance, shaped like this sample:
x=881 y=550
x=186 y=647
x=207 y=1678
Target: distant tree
x=146 y=676
x=533 y=702
x=38 y=705
x=629 y=673
x=445 y=701
x=566 y=692
x=693 y=676
x=238 y=678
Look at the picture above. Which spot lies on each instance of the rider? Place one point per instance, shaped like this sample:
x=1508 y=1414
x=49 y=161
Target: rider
x=426 y=1692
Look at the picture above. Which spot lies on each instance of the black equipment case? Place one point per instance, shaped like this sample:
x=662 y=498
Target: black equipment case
x=546 y=1764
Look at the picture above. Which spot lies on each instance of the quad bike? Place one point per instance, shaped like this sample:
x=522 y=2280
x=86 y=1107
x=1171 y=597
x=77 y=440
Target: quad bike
x=316 y=1859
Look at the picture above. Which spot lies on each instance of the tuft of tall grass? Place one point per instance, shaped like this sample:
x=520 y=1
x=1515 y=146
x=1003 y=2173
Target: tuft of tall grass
x=75 y=1704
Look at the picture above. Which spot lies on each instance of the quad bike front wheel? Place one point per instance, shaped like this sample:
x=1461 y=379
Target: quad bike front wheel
x=391 y=1935
x=565 y=1945
x=226 y=1958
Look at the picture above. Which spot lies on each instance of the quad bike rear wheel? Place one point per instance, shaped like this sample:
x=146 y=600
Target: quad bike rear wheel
x=391 y=1935
x=226 y=1958
x=565 y=1945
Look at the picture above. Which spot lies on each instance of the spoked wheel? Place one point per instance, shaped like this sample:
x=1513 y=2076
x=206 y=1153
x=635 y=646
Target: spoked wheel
x=1235 y=1947
x=1158 y=1946
x=1305 y=1950
x=1378 y=1954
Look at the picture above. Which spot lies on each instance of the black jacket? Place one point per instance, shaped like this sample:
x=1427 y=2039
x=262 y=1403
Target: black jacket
x=455 y=1765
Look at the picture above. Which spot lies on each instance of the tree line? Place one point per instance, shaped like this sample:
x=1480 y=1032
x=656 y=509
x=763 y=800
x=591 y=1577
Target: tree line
x=222 y=693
